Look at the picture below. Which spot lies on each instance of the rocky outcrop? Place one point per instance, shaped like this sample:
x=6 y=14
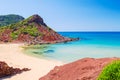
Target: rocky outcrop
x=37 y=19
x=32 y=30
x=5 y=70
x=83 y=69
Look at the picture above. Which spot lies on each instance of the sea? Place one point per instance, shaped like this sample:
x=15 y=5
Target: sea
x=90 y=45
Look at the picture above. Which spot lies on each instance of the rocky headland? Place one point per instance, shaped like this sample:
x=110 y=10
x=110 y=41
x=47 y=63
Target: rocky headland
x=32 y=30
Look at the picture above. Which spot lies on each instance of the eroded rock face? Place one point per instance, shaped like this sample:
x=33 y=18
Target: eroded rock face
x=5 y=70
x=37 y=19
x=84 y=69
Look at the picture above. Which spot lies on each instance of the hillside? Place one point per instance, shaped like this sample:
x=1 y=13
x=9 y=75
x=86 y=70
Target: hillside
x=9 y=19
x=32 y=30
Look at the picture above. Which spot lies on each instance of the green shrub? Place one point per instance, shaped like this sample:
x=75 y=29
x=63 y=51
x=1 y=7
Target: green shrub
x=31 y=30
x=14 y=35
x=111 y=71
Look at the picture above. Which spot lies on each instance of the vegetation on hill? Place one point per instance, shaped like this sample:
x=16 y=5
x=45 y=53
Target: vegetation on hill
x=23 y=27
x=9 y=19
x=32 y=30
x=111 y=71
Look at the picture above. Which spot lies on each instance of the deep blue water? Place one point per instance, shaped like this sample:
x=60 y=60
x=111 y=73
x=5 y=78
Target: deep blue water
x=91 y=44
x=95 y=38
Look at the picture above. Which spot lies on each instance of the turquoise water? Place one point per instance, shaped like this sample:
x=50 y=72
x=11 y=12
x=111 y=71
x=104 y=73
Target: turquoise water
x=92 y=44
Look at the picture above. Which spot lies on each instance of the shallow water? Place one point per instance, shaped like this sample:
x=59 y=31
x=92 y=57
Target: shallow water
x=92 y=44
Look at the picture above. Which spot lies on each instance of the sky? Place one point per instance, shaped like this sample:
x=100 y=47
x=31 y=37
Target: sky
x=69 y=15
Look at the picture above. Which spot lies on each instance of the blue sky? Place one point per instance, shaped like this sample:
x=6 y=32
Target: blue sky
x=69 y=15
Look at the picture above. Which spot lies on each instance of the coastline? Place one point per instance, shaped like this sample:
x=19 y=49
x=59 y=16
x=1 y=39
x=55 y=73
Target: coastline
x=12 y=54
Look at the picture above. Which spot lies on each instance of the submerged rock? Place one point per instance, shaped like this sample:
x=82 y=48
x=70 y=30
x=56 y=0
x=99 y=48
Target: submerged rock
x=5 y=70
x=49 y=51
x=83 y=69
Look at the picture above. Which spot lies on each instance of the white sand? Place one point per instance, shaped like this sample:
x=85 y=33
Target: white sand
x=13 y=56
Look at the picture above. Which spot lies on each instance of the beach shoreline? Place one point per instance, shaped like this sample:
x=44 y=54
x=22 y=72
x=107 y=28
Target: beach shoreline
x=12 y=54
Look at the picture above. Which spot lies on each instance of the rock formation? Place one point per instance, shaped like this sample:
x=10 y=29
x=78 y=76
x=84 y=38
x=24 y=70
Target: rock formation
x=5 y=70
x=84 y=69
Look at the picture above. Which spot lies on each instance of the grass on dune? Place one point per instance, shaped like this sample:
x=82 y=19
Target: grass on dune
x=111 y=71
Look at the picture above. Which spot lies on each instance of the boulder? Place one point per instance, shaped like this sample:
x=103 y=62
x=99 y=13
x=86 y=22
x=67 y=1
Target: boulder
x=5 y=70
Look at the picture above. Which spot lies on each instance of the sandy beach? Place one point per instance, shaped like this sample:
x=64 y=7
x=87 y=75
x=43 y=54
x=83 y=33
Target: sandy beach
x=13 y=56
